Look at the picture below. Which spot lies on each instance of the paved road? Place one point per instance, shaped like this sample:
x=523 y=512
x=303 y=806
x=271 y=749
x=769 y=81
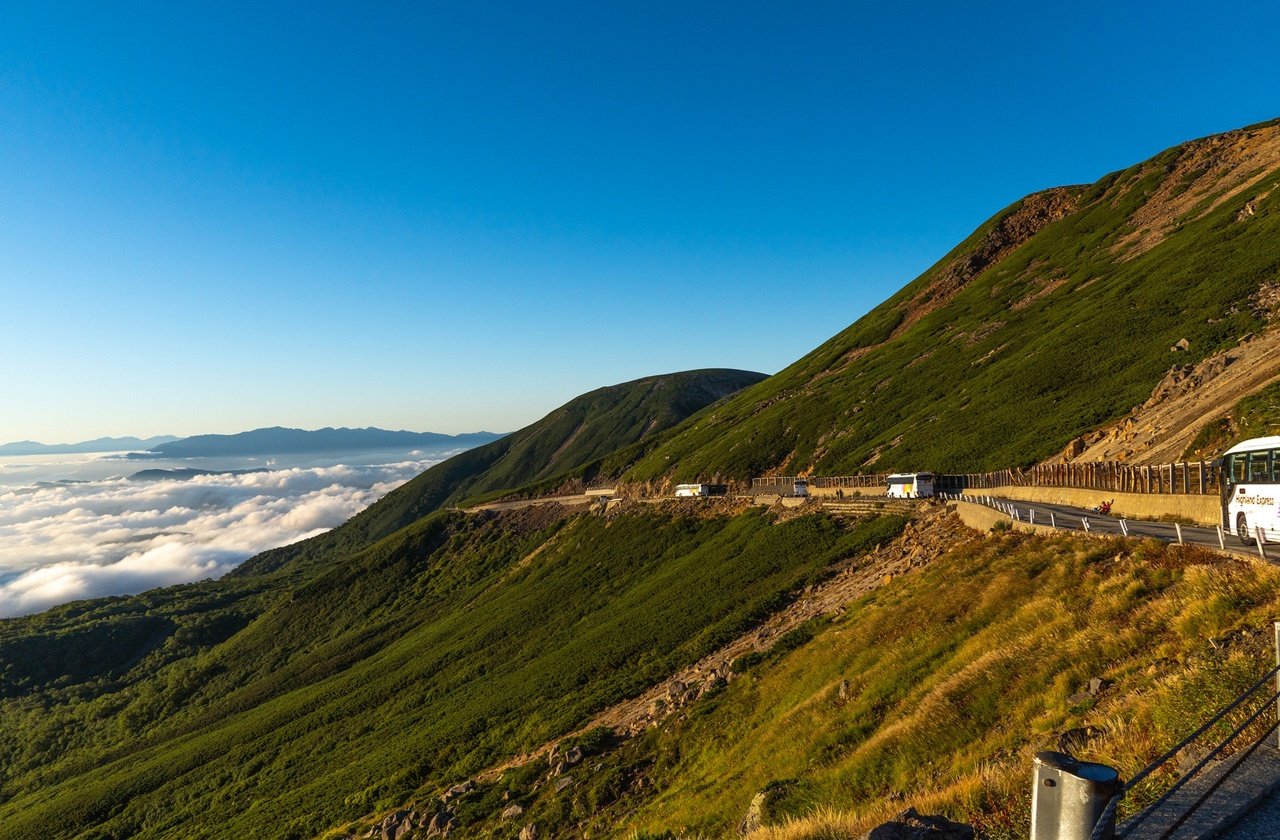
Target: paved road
x=1262 y=823
x=542 y=500
x=1073 y=519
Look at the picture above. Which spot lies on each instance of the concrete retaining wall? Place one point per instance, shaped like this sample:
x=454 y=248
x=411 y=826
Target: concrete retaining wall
x=1203 y=510
x=831 y=492
x=981 y=518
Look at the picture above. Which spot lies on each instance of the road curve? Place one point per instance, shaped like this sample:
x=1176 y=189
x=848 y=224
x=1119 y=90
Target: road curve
x=1071 y=518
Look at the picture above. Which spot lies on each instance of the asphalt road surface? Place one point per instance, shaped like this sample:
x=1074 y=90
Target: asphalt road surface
x=1074 y=519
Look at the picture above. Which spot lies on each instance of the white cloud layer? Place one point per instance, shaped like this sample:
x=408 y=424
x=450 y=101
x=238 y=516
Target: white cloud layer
x=63 y=542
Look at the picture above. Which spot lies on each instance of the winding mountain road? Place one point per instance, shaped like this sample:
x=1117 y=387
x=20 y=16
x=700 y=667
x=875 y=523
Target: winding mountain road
x=1071 y=518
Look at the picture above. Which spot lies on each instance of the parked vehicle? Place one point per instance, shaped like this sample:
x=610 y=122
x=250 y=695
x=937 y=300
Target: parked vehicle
x=700 y=490
x=910 y=485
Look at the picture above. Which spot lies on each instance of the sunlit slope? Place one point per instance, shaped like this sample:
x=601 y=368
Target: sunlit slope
x=1055 y=316
x=446 y=647
x=578 y=433
x=934 y=691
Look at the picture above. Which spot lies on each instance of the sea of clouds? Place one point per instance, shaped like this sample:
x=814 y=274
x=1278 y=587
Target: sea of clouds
x=61 y=542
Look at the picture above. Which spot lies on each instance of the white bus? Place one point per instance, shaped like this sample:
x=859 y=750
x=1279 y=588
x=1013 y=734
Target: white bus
x=701 y=490
x=1251 y=489
x=910 y=485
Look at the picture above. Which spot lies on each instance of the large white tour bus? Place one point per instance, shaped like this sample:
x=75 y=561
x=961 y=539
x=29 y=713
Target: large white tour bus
x=1251 y=489
x=910 y=485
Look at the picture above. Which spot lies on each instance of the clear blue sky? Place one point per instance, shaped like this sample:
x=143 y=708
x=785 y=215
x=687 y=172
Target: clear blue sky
x=457 y=216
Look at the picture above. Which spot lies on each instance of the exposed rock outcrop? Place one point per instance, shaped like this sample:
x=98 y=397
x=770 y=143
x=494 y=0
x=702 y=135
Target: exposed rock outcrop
x=910 y=825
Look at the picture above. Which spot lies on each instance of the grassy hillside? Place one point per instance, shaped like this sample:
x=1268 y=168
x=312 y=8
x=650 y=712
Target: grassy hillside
x=952 y=678
x=1054 y=317
x=416 y=645
x=575 y=435
x=419 y=661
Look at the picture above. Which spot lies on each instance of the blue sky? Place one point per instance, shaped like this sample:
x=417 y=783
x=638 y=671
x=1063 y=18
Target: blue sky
x=449 y=217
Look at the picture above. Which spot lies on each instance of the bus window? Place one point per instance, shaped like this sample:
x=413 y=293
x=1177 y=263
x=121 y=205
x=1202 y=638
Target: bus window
x=1235 y=467
x=1259 y=467
x=1275 y=466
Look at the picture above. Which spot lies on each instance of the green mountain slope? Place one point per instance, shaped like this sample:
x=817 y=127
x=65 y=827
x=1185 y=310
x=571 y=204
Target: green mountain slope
x=910 y=698
x=417 y=645
x=576 y=434
x=1055 y=316
x=426 y=657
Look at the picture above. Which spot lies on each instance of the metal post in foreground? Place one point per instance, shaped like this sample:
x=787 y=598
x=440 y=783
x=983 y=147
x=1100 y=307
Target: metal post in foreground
x=1178 y=526
x=1031 y=515
x=1053 y=521
x=1084 y=523
x=1070 y=796
x=1259 y=539
x=1124 y=527
x=1222 y=542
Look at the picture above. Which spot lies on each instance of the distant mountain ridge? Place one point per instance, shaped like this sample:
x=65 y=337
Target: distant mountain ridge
x=278 y=440
x=562 y=446
x=103 y=444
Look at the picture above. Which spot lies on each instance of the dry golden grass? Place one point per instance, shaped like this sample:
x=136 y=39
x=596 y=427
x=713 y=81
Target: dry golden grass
x=959 y=674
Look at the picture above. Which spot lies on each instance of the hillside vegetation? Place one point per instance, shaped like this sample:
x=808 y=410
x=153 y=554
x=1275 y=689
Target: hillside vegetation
x=566 y=444
x=1054 y=317
x=909 y=697
x=419 y=661
x=326 y=683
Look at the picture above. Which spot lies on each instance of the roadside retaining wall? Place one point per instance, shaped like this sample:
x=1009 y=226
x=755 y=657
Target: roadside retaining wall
x=981 y=518
x=1203 y=510
x=832 y=492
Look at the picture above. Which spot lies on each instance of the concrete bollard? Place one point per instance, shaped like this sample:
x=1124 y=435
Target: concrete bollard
x=1070 y=796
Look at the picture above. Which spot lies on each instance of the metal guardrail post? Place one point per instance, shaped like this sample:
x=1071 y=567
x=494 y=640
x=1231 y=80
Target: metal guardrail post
x=1222 y=542
x=1258 y=539
x=1053 y=523
x=1178 y=527
x=1070 y=797
x=1124 y=527
x=1084 y=522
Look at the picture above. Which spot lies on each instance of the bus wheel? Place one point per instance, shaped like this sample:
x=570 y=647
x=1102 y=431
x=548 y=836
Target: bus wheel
x=1242 y=530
